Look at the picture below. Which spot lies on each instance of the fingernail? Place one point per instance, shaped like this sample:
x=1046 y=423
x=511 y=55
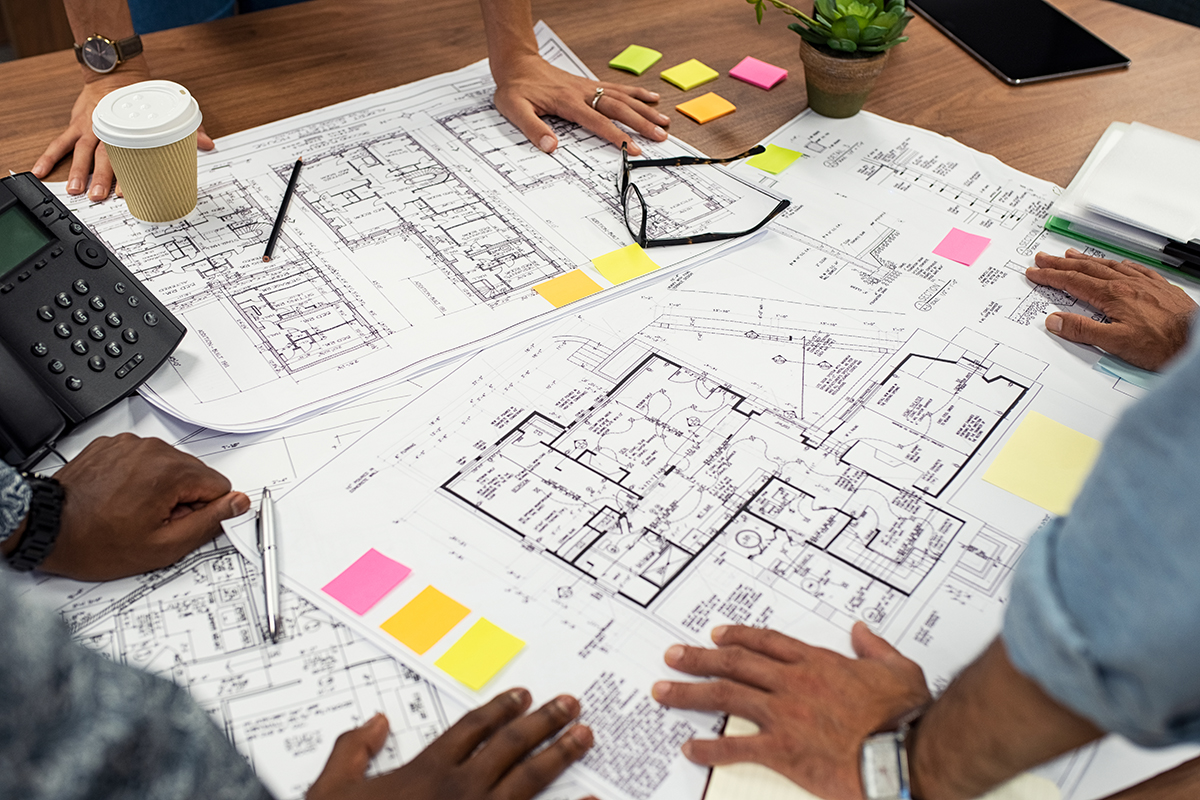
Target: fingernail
x=581 y=735
x=654 y=95
x=376 y=721
x=75 y=186
x=664 y=119
x=240 y=504
x=674 y=654
x=660 y=690
x=686 y=747
x=718 y=633
x=96 y=192
x=518 y=696
x=1054 y=323
x=564 y=705
x=659 y=133
x=546 y=144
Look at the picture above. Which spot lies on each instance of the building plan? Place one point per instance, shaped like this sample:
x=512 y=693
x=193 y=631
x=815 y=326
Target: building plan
x=793 y=435
x=422 y=226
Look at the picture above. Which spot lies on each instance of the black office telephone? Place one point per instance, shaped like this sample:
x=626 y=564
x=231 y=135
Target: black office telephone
x=77 y=331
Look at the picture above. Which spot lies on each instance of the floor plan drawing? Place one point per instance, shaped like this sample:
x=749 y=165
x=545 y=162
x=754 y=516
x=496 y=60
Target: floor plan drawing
x=423 y=221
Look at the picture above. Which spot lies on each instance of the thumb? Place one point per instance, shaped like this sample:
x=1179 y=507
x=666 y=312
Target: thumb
x=867 y=645
x=352 y=754
x=1083 y=330
x=204 y=523
x=520 y=112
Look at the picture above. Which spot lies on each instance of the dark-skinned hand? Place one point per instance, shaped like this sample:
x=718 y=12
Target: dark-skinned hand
x=1149 y=315
x=814 y=707
x=486 y=755
x=133 y=505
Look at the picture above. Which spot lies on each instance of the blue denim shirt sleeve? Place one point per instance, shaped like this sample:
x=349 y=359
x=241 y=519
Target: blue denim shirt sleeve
x=14 y=500
x=1104 y=612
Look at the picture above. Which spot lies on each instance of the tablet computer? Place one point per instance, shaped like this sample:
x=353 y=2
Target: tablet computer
x=1021 y=41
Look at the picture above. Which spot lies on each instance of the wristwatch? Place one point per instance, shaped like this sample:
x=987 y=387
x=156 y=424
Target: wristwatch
x=884 y=762
x=41 y=526
x=103 y=55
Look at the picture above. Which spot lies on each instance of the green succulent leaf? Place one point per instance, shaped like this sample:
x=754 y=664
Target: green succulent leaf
x=885 y=46
x=827 y=9
x=758 y=12
x=844 y=45
x=845 y=29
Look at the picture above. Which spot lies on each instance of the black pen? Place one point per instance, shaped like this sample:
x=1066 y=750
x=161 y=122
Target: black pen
x=287 y=198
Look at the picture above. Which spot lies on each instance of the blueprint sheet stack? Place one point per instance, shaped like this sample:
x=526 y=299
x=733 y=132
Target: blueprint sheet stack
x=795 y=435
x=424 y=226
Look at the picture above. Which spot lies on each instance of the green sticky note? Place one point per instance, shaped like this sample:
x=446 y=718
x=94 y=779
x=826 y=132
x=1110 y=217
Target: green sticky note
x=1045 y=462
x=425 y=620
x=689 y=74
x=775 y=160
x=624 y=264
x=636 y=59
x=479 y=654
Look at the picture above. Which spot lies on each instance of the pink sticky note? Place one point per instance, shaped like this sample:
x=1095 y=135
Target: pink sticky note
x=366 y=581
x=961 y=246
x=759 y=73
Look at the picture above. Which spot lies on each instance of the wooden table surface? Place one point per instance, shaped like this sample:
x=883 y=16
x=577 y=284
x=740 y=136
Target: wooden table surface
x=257 y=68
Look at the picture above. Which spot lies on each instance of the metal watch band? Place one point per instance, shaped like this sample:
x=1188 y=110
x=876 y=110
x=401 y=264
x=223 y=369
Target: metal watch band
x=41 y=526
x=883 y=764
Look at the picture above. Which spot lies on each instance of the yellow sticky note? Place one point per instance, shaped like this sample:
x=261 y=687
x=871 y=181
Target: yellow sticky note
x=636 y=59
x=479 y=654
x=689 y=74
x=775 y=160
x=706 y=107
x=575 y=285
x=425 y=620
x=624 y=264
x=1044 y=462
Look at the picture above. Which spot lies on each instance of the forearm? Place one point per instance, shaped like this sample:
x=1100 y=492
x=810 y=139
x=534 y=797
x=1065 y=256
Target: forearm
x=509 y=28
x=991 y=724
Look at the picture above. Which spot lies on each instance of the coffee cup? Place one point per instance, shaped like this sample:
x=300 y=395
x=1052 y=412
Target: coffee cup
x=149 y=130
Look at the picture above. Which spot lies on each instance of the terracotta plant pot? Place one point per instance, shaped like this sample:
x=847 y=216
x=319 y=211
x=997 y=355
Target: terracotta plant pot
x=838 y=85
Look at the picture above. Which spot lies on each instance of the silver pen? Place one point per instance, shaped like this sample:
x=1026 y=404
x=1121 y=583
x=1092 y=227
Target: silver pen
x=270 y=557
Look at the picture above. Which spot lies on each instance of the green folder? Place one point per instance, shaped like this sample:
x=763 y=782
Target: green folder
x=1063 y=228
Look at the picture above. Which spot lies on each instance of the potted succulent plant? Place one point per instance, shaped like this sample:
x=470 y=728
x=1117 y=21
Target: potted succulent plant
x=844 y=46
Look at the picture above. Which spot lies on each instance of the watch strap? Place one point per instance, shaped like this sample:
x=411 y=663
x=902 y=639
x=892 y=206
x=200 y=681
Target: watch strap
x=126 y=49
x=41 y=526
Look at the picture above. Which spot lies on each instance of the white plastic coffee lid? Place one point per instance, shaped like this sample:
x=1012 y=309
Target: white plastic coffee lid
x=146 y=114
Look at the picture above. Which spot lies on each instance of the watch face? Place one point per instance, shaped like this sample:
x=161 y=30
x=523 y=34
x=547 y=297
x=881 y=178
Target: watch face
x=99 y=54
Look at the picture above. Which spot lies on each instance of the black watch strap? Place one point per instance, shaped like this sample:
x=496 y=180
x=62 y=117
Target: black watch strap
x=126 y=49
x=41 y=526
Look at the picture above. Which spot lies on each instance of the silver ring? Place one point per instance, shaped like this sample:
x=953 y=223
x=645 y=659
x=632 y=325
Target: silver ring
x=599 y=94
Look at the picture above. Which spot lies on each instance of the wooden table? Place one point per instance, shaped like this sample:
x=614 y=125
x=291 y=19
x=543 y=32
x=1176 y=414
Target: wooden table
x=261 y=67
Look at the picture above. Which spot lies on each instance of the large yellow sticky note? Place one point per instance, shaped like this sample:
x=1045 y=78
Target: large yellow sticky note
x=479 y=654
x=706 y=107
x=425 y=620
x=1044 y=462
x=689 y=74
x=575 y=285
x=624 y=264
x=775 y=160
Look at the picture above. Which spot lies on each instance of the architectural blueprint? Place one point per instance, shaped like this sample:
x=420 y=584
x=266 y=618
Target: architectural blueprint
x=791 y=436
x=423 y=221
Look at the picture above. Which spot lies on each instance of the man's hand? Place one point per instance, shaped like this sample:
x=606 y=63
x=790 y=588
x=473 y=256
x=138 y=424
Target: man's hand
x=528 y=88
x=1150 y=316
x=79 y=140
x=814 y=707
x=486 y=754
x=133 y=505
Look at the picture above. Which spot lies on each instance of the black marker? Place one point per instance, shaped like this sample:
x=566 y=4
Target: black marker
x=287 y=198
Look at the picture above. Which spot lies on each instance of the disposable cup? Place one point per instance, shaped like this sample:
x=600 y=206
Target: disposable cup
x=149 y=131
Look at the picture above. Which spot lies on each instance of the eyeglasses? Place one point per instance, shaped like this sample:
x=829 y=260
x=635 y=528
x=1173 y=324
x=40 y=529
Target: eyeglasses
x=635 y=217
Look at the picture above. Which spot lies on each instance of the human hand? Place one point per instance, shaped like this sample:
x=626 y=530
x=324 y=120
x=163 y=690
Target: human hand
x=133 y=505
x=814 y=707
x=79 y=139
x=486 y=754
x=528 y=87
x=1149 y=315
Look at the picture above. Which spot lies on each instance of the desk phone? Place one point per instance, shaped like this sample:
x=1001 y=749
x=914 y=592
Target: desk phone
x=78 y=331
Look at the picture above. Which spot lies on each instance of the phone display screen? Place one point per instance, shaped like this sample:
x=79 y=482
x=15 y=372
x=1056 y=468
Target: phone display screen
x=20 y=237
x=1021 y=41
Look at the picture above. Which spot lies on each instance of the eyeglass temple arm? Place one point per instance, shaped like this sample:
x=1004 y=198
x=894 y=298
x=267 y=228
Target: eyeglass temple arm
x=690 y=161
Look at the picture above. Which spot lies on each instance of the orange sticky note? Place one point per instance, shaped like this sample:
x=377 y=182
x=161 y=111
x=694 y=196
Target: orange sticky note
x=425 y=620
x=706 y=107
x=479 y=654
x=624 y=264
x=575 y=285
